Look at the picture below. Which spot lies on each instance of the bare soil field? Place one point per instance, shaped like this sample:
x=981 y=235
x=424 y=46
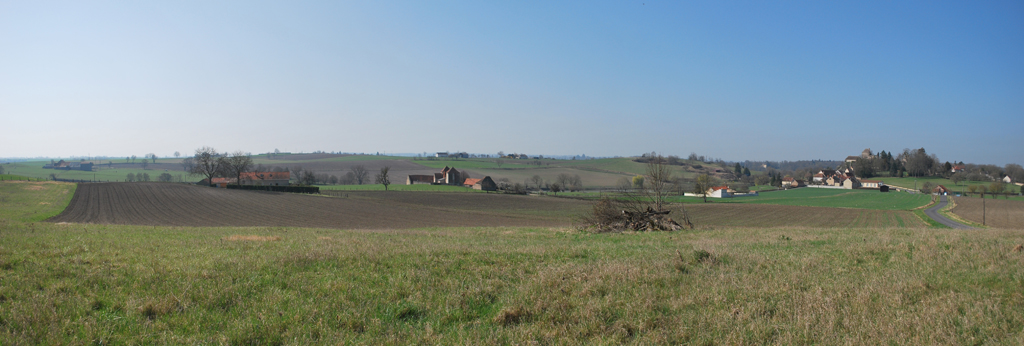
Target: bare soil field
x=999 y=213
x=766 y=215
x=167 y=204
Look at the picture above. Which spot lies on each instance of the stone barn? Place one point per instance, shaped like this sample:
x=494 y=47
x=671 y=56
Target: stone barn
x=484 y=184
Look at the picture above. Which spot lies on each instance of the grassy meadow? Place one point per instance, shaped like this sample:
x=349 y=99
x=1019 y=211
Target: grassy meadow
x=909 y=183
x=103 y=284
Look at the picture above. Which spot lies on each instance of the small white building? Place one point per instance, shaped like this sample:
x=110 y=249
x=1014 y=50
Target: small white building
x=1007 y=180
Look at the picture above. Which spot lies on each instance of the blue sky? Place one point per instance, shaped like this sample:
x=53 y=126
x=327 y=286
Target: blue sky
x=735 y=80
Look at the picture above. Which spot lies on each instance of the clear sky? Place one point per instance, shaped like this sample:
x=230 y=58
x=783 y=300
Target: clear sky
x=758 y=80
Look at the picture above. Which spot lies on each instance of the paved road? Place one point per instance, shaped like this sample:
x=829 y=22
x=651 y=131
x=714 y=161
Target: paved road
x=933 y=213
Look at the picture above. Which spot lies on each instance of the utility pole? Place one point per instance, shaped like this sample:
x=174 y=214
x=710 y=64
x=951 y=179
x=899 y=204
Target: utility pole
x=983 y=210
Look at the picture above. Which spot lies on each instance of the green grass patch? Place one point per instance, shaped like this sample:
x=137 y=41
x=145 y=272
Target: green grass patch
x=24 y=201
x=394 y=187
x=112 y=284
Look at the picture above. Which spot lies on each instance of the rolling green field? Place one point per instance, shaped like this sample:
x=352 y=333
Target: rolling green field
x=104 y=284
x=808 y=197
x=836 y=198
x=35 y=169
x=909 y=183
x=396 y=187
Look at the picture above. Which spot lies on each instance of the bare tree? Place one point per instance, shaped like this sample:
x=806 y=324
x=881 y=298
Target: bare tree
x=177 y=154
x=382 y=177
x=239 y=162
x=537 y=181
x=360 y=174
x=133 y=159
x=130 y=177
x=658 y=177
x=152 y=156
x=701 y=186
x=499 y=162
x=207 y=162
x=145 y=163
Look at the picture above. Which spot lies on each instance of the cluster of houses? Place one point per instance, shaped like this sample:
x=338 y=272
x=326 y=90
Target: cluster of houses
x=452 y=176
x=69 y=166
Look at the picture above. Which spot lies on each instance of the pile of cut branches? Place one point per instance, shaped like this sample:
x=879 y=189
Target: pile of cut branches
x=610 y=215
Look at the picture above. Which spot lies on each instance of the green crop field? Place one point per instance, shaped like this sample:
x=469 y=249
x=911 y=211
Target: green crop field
x=910 y=183
x=397 y=187
x=837 y=198
x=35 y=169
x=116 y=284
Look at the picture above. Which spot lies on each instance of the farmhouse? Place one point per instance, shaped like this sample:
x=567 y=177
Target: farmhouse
x=485 y=184
x=447 y=176
x=1007 y=180
x=940 y=190
x=791 y=182
x=873 y=184
x=69 y=166
x=957 y=168
x=419 y=179
x=266 y=178
x=852 y=159
x=719 y=192
x=824 y=175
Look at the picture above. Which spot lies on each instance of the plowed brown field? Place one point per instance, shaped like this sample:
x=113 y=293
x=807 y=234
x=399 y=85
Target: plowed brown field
x=187 y=205
x=999 y=213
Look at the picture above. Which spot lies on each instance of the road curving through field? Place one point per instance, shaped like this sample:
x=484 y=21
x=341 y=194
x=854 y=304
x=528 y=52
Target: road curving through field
x=933 y=213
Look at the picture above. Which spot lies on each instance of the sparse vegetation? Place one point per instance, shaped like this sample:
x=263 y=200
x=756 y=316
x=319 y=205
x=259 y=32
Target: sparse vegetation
x=67 y=283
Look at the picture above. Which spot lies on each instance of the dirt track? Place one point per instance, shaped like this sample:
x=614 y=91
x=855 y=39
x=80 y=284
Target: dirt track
x=168 y=204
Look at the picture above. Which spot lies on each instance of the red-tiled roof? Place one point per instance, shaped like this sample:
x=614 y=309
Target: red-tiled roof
x=716 y=188
x=472 y=181
x=266 y=175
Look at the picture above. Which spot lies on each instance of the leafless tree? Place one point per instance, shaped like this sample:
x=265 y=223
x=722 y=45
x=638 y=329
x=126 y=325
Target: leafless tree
x=133 y=159
x=576 y=183
x=239 y=162
x=360 y=174
x=701 y=186
x=152 y=156
x=382 y=177
x=499 y=162
x=658 y=177
x=177 y=154
x=145 y=163
x=207 y=162
x=537 y=181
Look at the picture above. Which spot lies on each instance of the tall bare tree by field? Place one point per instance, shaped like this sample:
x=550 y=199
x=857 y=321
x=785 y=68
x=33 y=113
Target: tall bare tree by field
x=239 y=162
x=177 y=154
x=145 y=163
x=360 y=174
x=152 y=156
x=657 y=179
x=382 y=177
x=207 y=162
x=537 y=181
x=133 y=159
x=701 y=186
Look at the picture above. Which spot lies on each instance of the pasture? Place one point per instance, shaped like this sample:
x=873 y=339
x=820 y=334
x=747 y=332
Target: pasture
x=836 y=198
x=909 y=182
x=72 y=283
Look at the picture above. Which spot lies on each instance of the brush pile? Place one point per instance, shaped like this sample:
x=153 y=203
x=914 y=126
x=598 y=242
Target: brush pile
x=614 y=216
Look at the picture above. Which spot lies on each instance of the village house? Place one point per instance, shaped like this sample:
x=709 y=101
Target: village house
x=940 y=190
x=69 y=166
x=852 y=159
x=447 y=176
x=719 y=192
x=791 y=182
x=266 y=178
x=484 y=184
x=873 y=184
x=957 y=168
x=1008 y=180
